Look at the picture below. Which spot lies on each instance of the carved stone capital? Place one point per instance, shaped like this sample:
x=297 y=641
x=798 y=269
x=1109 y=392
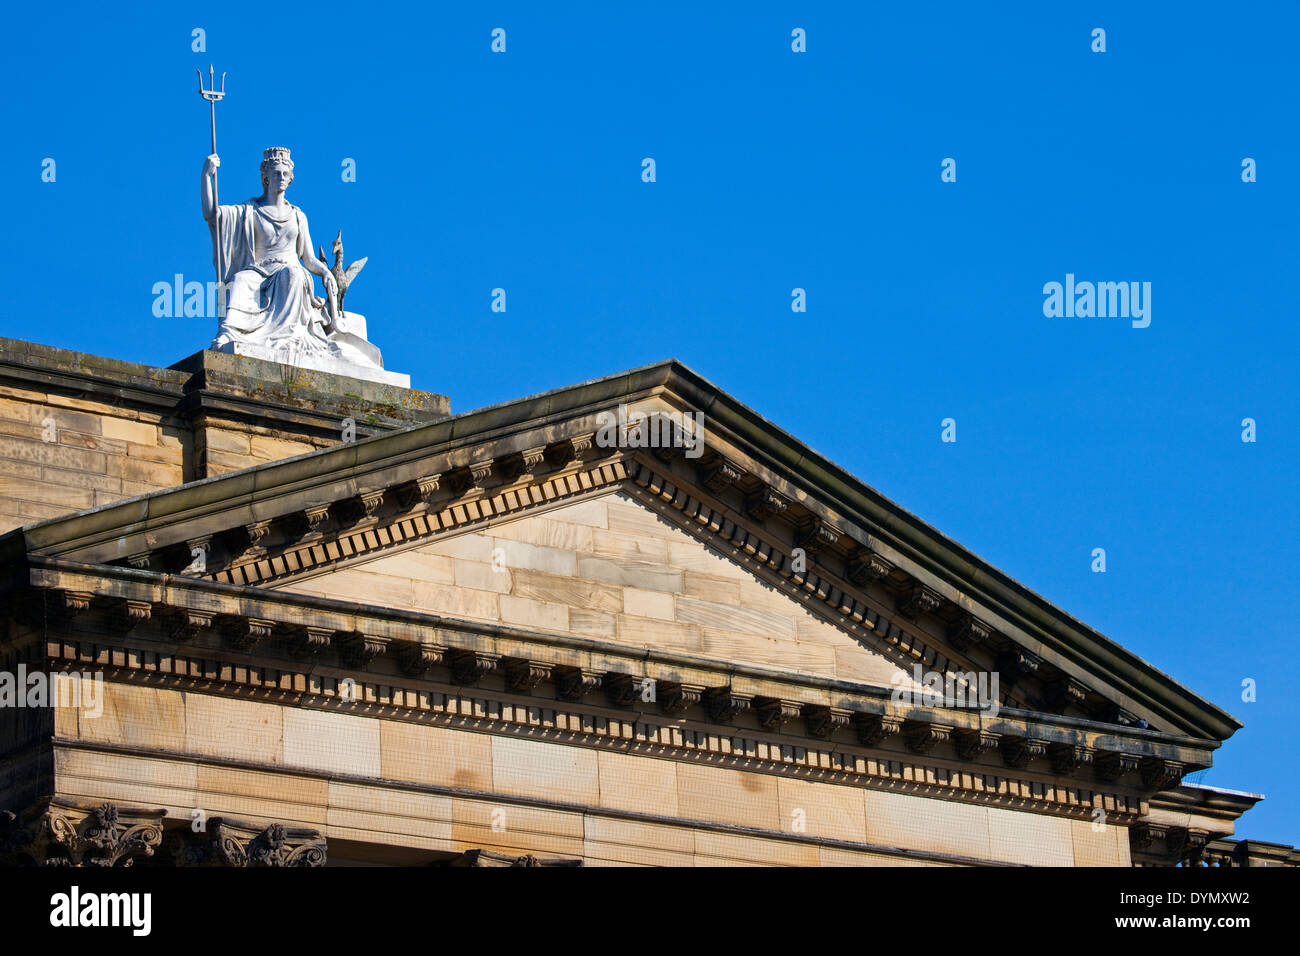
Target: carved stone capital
x=308 y=522
x=68 y=604
x=662 y=433
x=194 y=558
x=1013 y=663
x=472 y=477
x=236 y=843
x=313 y=519
x=1162 y=844
x=359 y=509
x=1062 y=693
x=36 y=607
x=63 y=833
x=255 y=533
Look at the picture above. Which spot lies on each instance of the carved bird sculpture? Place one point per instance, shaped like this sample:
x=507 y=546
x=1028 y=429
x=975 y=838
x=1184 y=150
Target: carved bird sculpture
x=343 y=277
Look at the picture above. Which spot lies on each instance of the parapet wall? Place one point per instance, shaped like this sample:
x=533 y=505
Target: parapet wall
x=79 y=431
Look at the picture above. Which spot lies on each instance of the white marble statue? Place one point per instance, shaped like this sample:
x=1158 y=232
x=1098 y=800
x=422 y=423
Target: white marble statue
x=263 y=252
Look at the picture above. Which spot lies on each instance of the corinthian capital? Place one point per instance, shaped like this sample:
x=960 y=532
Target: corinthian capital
x=66 y=833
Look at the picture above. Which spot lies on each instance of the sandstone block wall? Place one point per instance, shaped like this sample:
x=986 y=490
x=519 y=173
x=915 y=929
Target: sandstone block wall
x=610 y=568
x=60 y=454
x=379 y=789
x=78 y=431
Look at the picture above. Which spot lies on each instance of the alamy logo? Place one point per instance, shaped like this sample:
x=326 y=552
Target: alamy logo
x=57 y=689
x=181 y=299
x=656 y=430
x=970 y=689
x=1104 y=300
x=74 y=909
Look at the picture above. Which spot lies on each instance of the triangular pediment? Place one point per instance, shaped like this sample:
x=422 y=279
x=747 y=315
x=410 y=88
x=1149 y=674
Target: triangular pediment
x=757 y=549
x=614 y=568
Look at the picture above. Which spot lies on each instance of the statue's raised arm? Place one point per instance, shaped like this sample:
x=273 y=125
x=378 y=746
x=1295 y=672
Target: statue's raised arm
x=207 y=194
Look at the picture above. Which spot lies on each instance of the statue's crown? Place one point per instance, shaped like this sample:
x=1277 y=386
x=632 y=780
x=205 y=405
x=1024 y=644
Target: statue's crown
x=277 y=154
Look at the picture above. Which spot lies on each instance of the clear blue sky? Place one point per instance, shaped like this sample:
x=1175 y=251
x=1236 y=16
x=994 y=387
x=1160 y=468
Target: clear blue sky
x=775 y=170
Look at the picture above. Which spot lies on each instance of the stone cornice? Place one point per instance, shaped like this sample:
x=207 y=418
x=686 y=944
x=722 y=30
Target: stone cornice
x=209 y=384
x=561 y=805
x=641 y=733
x=832 y=506
x=322 y=537
x=724 y=700
x=1211 y=803
x=114 y=382
x=100 y=588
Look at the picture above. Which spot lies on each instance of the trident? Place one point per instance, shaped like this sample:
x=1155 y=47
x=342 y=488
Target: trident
x=212 y=94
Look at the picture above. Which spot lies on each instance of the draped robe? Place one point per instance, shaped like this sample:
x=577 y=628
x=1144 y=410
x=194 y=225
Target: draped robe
x=271 y=299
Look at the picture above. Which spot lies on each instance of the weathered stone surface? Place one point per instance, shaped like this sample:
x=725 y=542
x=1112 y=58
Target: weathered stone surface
x=500 y=667
x=80 y=431
x=340 y=743
x=534 y=768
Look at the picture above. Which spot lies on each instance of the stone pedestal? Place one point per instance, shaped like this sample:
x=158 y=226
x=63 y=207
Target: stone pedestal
x=350 y=338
